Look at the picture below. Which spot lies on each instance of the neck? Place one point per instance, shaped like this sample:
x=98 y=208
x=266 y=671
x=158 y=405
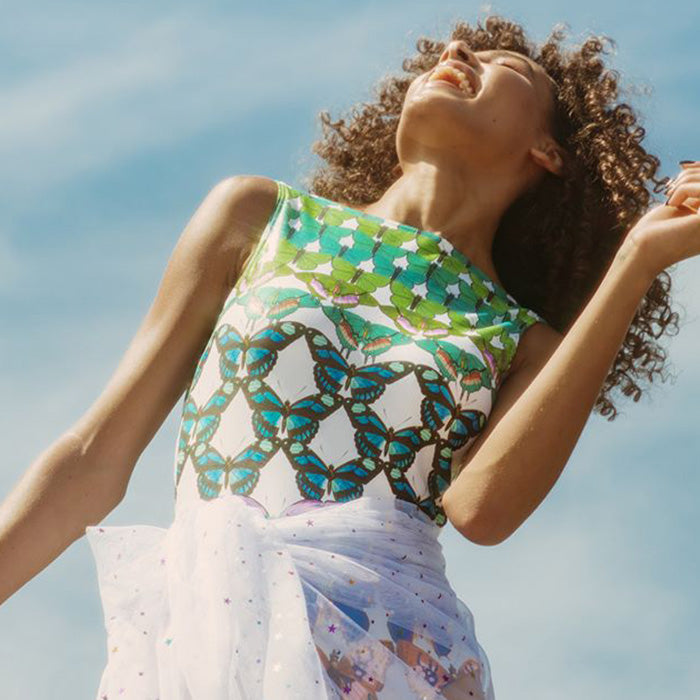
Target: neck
x=460 y=207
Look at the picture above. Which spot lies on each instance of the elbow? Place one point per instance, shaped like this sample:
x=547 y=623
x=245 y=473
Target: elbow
x=478 y=528
x=481 y=532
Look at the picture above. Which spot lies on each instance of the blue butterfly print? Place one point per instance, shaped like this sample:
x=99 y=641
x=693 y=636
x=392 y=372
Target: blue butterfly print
x=298 y=420
x=257 y=353
x=396 y=448
x=187 y=421
x=438 y=480
x=240 y=474
x=200 y=364
x=334 y=374
x=315 y=479
x=440 y=413
x=433 y=510
x=354 y=246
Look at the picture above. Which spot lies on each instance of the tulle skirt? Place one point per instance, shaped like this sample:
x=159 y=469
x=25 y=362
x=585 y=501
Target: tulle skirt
x=328 y=600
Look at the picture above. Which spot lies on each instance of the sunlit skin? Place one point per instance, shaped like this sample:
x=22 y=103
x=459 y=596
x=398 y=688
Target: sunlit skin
x=463 y=160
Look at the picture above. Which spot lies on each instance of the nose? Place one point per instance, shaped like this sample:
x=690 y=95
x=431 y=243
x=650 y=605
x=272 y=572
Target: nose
x=461 y=51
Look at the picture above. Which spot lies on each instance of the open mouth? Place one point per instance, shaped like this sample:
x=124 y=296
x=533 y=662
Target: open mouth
x=454 y=77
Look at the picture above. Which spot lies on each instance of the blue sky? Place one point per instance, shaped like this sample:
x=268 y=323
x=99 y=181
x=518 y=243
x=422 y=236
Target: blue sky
x=116 y=120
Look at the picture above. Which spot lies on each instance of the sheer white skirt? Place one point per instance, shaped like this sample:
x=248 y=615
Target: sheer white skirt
x=328 y=600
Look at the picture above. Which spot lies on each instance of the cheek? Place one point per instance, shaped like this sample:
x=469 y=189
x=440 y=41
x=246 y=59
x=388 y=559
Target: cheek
x=517 y=113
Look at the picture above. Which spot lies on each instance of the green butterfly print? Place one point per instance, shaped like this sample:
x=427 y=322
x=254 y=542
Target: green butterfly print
x=315 y=479
x=288 y=255
x=332 y=215
x=406 y=301
x=385 y=260
x=353 y=246
x=298 y=420
x=365 y=281
x=253 y=355
x=274 y=302
x=394 y=237
x=354 y=333
x=462 y=299
x=441 y=414
x=488 y=295
x=415 y=325
x=458 y=365
x=430 y=248
x=497 y=347
x=337 y=293
x=239 y=474
x=436 y=272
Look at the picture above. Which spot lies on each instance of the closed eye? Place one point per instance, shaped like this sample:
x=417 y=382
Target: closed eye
x=510 y=65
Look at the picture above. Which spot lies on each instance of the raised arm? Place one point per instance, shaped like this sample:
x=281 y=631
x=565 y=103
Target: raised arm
x=543 y=405
x=83 y=475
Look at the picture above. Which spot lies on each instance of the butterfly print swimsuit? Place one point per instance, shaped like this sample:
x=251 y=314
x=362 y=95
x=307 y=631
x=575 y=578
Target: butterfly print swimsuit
x=350 y=369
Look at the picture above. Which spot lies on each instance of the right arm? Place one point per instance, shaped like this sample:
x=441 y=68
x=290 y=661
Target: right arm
x=83 y=475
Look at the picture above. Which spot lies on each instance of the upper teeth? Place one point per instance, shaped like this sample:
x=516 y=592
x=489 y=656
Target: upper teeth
x=464 y=84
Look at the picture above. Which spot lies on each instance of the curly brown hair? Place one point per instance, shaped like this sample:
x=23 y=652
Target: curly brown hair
x=556 y=240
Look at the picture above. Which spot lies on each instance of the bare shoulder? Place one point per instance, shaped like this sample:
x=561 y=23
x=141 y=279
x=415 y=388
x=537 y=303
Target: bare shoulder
x=246 y=203
x=535 y=347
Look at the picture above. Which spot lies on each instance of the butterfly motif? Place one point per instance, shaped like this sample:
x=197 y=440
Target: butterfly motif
x=355 y=333
x=315 y=479
x=440 y=413
x=439 y=479
x=458 y=365
x=335 y=291
x=298 y=420
x=433 y=510
x=405 y=300
x=257 y=354
x=240 y=474
x=488 y=294
x=462 y=297
x=395 y=448
x=200 y=364
x=358 y=249
x=335 y=375
x=274 y=303
x=338 y=293
x=418 y=326
x=288 y=255
x=364 y=280
x=187 y=421
x=388 y=260
x=497 y=346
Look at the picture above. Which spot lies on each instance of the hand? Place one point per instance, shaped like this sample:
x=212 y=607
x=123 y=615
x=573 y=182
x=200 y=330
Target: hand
x=670 y=232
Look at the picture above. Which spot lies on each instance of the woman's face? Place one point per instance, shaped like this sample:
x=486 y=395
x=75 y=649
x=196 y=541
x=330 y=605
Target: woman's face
x=511 y=107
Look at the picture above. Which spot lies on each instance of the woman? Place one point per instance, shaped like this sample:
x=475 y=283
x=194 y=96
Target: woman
x=419 y=337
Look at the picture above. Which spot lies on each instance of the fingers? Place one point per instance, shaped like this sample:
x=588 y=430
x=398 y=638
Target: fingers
x=684 y=189
x=684 y=194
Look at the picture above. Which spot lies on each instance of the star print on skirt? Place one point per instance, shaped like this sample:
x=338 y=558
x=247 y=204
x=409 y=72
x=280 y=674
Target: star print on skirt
x=328 y=600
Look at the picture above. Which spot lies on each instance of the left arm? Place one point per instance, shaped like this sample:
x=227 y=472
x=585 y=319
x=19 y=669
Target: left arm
x=542 y=408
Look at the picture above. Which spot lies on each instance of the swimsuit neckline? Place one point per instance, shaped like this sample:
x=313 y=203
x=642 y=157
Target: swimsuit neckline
x=447 y=245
